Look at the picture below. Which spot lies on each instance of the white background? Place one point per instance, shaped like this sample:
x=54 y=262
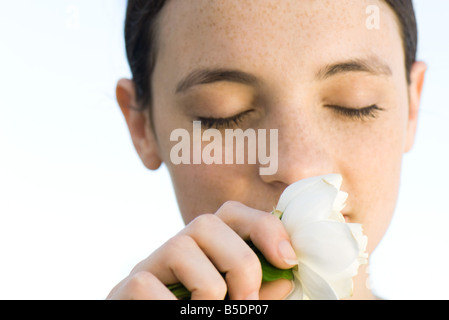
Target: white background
x=77 y=208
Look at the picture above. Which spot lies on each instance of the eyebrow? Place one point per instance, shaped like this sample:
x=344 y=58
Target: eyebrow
x=373 y=66
x=205 y=76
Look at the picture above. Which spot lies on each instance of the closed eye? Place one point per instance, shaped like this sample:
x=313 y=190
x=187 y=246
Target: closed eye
x=366 y=113
x=223 y=123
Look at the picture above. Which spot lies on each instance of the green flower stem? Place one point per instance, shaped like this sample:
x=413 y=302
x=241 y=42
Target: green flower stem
x=179 y=291
x=270 y=272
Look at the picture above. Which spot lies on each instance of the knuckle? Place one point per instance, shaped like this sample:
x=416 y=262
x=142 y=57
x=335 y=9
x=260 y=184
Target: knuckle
x=229 y=206
x=267 y=222
x=250 y=263
x=227 y=211
x=177 y=245
x=268 y=219
x=215 y=290
x=177 y=252
x=140 y=283
x=246 y=278
x=218 y=290
x=249 y=267
x=204 y=221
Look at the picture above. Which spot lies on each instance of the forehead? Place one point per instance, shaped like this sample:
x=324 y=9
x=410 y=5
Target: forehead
x=292 y=36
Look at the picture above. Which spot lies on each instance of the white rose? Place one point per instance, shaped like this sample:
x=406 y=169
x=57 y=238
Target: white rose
x=329 y=251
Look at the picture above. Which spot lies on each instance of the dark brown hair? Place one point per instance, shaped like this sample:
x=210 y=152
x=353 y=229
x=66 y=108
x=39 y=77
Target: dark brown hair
x=407 y=22
x=141 y=40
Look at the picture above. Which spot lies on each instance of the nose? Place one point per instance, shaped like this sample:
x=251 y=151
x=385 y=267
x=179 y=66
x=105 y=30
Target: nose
x=302 y=151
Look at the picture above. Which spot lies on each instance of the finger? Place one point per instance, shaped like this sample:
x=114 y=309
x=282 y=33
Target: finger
x=276 y=290
x=230 y=254
x=194 y=255
x=181 y=260
x=265 y=230
x=141 y=286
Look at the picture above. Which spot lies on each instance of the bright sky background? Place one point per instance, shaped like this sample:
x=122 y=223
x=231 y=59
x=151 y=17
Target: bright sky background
x=77 y=208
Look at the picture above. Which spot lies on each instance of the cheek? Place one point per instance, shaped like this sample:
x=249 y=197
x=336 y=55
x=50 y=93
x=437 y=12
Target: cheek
x=370 y=162
x=204 y=188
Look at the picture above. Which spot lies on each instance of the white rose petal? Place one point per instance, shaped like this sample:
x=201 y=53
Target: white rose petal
x=314 y=287
x=325 y=246
x=315 y=204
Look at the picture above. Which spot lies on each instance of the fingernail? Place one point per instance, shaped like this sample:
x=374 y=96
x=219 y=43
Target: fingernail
x=287 y=253
x=253 y=296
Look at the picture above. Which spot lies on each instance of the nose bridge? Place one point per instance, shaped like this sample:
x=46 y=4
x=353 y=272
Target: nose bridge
x=301 y=149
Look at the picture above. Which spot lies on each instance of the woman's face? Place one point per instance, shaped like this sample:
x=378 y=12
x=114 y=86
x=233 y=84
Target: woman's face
x=303 y=62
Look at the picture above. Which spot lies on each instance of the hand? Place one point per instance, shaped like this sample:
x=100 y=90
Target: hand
x=212 y=245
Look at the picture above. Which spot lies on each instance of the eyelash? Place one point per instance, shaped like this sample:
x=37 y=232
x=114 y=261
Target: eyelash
x=366 y=113
x=222 y=123
x=370 y=112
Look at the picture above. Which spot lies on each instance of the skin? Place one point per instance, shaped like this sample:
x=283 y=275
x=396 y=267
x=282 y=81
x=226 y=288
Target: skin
x=287 y=46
